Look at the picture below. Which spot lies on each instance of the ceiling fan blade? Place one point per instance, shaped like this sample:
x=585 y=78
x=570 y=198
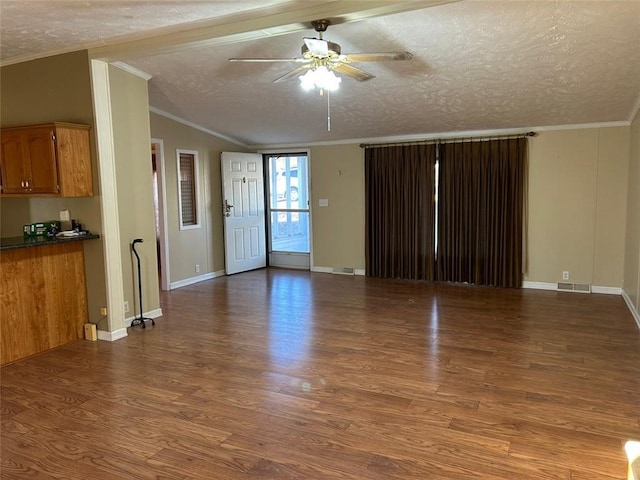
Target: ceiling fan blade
x=293 y=73
x=353 y=72
x=269 y=60
x=375 y=57
x=317 y=47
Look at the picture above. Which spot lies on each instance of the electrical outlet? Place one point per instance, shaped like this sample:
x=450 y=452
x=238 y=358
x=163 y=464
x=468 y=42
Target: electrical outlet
x=103 y=311
x=565 y=275
x=197 y=268
x=64 y=216
x=126 y=307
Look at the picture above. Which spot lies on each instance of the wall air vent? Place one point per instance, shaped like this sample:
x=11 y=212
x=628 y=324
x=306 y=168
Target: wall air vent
x=574 y=287
x=343 y=271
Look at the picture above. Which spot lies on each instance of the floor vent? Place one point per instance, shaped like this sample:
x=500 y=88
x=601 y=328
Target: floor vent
x=574 y=287
x=343 y=271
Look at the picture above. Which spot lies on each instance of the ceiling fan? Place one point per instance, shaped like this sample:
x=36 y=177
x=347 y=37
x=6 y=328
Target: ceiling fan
x=321 y=58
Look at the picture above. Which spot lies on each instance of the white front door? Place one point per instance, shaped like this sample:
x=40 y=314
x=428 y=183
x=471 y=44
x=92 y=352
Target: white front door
x=243 y=211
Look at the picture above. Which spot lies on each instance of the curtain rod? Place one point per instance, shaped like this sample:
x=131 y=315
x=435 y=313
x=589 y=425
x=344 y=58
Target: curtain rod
x=449 y=140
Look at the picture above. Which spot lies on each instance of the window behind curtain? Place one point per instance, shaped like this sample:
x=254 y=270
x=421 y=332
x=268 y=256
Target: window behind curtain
x=399 y=191
x=187 y=188
x=480 y=212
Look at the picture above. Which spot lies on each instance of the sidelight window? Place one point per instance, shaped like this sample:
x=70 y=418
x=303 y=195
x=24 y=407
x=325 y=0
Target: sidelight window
x=188 y=189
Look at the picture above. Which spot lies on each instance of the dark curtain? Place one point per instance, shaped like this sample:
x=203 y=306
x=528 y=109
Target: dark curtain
x=399 y=191
x=481 y=198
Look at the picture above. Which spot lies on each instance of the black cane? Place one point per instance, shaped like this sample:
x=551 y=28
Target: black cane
x=140 y=320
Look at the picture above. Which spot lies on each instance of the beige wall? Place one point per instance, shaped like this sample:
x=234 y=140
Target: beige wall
x=337 y=174
x=583 y=193
x=46 y=90
x=55 y=89
x=59 y=89
x=134 y=179
x=577 y=205
x=611 y=199
x=202 y=246
x=577 y=196
x=632 y=251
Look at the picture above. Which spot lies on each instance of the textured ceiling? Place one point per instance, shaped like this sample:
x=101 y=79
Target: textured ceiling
x=33 y=27
x=478 y=65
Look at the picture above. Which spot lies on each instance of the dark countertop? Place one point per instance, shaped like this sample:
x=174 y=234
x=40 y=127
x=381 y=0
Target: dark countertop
x=10 y=243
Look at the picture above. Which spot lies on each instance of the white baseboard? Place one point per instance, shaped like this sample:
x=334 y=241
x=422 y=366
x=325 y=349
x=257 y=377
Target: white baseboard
x=122 y=332
x=606 y=290
x=554 y=286
x=540 y=285
x=356 y=271
x=632 y=308
x=198 y=279
x=322 y=269
x=112 y=336
x=151 y=314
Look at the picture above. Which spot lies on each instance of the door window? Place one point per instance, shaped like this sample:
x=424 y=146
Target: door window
x=289 y=203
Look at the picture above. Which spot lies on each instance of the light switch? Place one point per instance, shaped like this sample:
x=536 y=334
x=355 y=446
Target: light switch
x=324 y=202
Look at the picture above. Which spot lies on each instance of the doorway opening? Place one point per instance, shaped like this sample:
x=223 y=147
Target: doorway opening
x=288 y=210
x=159 y=202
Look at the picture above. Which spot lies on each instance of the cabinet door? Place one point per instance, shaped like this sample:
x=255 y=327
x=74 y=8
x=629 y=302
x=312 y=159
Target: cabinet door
x=46 y=160
x=12 y=164
x=74 y=161
x=43 y=174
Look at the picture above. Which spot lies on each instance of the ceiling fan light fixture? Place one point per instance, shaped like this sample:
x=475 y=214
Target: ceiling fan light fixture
x=321 y=78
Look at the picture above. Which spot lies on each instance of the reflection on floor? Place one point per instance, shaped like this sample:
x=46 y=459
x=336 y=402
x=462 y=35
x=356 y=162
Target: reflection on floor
x=293 y=375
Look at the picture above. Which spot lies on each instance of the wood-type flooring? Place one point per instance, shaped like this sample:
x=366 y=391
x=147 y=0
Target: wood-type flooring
x=279 y=374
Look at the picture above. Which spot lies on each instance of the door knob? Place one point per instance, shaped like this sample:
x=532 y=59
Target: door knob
x=226 y=209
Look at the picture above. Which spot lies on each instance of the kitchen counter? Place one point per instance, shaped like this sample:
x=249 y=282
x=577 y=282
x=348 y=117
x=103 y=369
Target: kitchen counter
x=43 y=294
x=10 y=243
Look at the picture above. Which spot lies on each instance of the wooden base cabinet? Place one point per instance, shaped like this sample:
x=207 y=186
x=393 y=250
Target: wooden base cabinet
x=43 y=299
x=46 y=160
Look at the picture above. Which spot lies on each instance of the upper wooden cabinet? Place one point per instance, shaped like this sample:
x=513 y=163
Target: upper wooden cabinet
x=46 y=160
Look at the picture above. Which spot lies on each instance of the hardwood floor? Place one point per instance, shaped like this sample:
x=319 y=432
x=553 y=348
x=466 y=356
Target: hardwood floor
x=278 y=374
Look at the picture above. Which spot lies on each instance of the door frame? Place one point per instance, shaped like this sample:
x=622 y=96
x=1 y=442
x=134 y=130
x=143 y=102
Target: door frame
x=165 y=275
x=273 y=151
x=228 y=177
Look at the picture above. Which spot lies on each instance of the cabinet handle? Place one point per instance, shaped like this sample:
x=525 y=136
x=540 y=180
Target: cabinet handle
x=29 y=183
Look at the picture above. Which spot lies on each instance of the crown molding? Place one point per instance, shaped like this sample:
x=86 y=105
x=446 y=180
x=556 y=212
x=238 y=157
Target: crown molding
x=447 y=135
x=187 y=123
x=133 y=70
x=37 y=56
x=581 y=126
x=397 y=138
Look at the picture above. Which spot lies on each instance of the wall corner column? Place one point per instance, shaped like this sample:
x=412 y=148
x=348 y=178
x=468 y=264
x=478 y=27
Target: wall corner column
x=108 y=202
